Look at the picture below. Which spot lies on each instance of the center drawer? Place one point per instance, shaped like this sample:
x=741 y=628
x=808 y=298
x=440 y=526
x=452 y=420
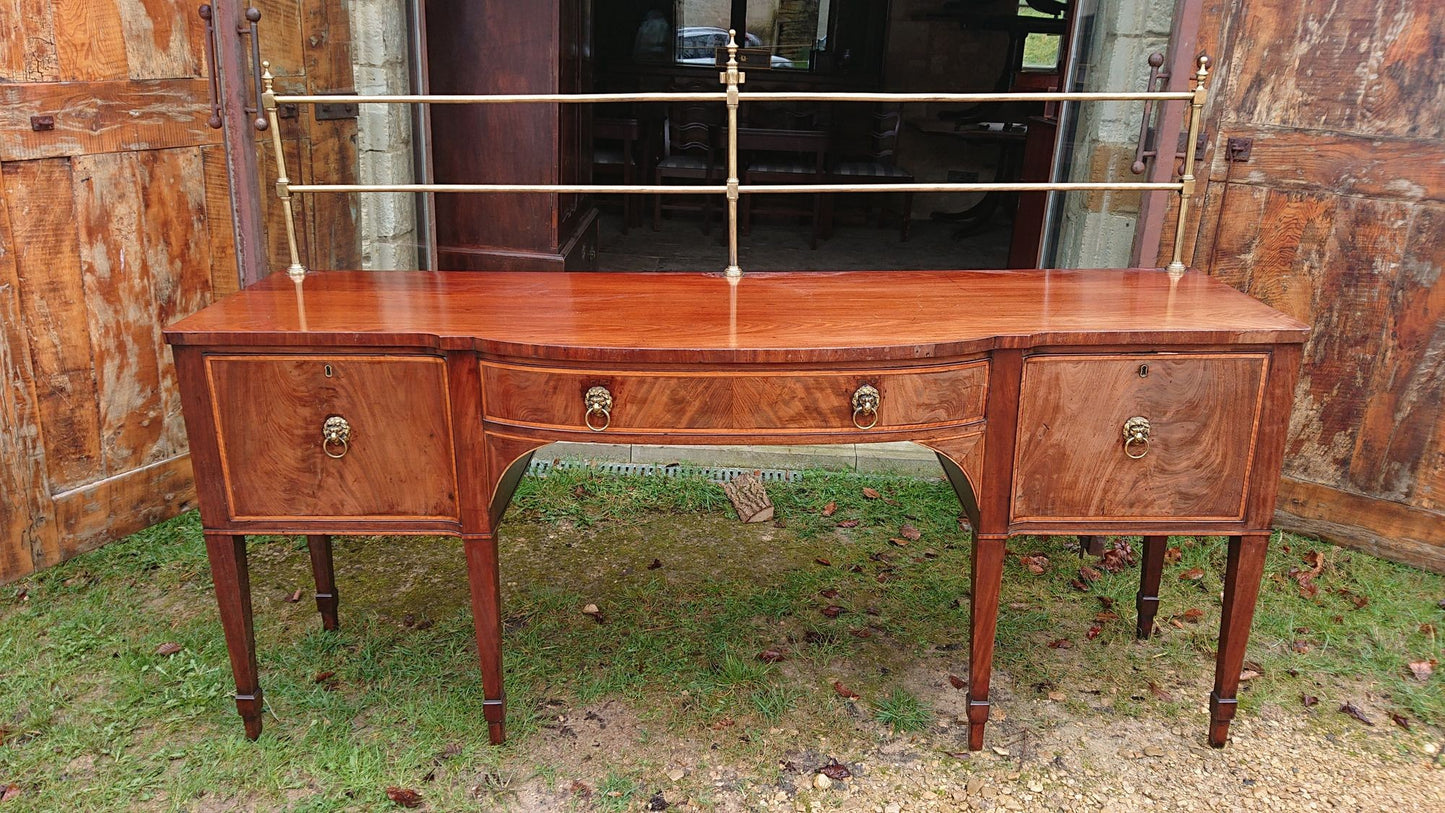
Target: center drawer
x=785 y=400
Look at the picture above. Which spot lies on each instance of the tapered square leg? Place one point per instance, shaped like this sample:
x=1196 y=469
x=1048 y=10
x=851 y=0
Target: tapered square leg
x=1146 y=602
x=484 y=580
x=321 y=568
x=1242 y=576
x=232 y=579
x=983 y=610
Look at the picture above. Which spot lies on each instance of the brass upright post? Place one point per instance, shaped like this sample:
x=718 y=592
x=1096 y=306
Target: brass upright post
x=732 y=77
x=283 y=184
x=1186 y=177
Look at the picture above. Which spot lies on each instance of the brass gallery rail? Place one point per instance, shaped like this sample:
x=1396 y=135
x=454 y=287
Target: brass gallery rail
x=732 y=78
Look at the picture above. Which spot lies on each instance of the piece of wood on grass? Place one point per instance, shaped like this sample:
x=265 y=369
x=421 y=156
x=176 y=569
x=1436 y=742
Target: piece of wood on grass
x=751 y=500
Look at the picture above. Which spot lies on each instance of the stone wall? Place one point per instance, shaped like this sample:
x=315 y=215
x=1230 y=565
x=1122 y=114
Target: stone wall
x=389 y=239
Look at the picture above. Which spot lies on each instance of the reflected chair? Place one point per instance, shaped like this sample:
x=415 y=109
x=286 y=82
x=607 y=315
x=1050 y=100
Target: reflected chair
x=614 y=158
x=689 y=154
x=879 y=164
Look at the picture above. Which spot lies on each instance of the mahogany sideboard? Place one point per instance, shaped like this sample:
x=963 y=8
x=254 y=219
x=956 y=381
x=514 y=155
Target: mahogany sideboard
x=1059 y=402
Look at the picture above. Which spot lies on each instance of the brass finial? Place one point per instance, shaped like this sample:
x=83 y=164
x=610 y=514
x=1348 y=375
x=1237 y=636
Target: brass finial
x=1202 y=75
x=267 y=80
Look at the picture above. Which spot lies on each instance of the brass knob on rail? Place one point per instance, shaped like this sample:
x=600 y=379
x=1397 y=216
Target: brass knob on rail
x=336 y=437
x=1136 y=437
x=599 y=409
x=865 y=406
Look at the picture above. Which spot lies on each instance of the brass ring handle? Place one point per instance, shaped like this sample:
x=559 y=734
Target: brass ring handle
x=1136 y=436
x=865 y=402
x=336 y=433
x=598 y=402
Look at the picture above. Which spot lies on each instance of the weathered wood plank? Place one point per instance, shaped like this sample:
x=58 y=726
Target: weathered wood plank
x=27 y=43
x=162 y=38
x=89 y=40
x=281 y=36
x=326 y=30
x=107 y=510
x=95 y=117
x=1407 y=389
x=27 y=518
x=178 y=256
x=225 y=274
x=332 y=219
x=1368 y=68
x=1287 y=158
x=1403 y=533
x=40 y=197
x=120 y=304
x=1349 y=301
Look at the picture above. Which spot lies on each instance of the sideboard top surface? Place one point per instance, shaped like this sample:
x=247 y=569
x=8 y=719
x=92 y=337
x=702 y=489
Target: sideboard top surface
x=792 y=317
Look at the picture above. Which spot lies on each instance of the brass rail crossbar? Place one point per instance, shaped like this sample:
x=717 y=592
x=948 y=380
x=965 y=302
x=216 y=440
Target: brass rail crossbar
x=732 y=78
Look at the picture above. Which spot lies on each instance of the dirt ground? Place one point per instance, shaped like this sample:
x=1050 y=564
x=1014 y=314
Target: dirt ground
x=1038 y=756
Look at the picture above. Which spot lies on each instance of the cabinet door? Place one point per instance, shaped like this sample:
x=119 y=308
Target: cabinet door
x=394 y=463
x=1071 y=460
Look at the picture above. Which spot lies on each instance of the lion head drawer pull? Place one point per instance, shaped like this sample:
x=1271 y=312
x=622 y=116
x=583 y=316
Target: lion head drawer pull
x=865 y=406
x=336 y=437
x=1136 y=437
x=599 y=409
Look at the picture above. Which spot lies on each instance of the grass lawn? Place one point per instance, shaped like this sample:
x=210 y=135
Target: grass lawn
x=601 y=711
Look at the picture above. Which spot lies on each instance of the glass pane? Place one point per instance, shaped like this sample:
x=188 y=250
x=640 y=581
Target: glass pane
x=702 y=27
x=790 y=29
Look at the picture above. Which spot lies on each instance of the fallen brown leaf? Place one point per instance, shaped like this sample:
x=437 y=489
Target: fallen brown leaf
x=406 y=797
x=824 y=562
x=1159 y=693
x=1079 y=585
x=293 y=598
x=580 y=788
x=169 y=648
x=322 y=677
x=835 y=771
x=1422 y=669
x=1106 y=616
x=1058 y=697
x=1308 y=589
x=831 y=508
x=844 y=691
x=1354 y=711
x=1034 y=563
x=9 y=792
x=1300 y=647
x=726 y=722
x=1309 y=700
x=849 y=523
x=1193 y=615
x=861 y=632
x=1094 y=632
x=1089 y=574
x=871 y=493
x=1248 y=674
x=909 y=532
x=1061 y=643
x=957 y=682
x=1106 y=602
x=772 y=656
x=1192 y=574
x=902 y=543
x=656 y=563
x=832 y=611
x=1172 y=555
x=828 y=593
x=1400 y=720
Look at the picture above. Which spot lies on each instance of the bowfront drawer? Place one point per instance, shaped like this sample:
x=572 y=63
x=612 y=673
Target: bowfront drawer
x=334 y=436
x=1137 y=437
x=755 y=402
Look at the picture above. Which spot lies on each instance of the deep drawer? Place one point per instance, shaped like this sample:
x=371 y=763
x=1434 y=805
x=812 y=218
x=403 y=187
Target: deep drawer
x=396 y=462
x=799 y=400
x=1072 y=462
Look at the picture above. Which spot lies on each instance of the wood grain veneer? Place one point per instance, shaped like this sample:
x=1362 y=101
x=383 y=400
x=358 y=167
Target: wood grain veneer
x=269 y=411
x=1070 y=462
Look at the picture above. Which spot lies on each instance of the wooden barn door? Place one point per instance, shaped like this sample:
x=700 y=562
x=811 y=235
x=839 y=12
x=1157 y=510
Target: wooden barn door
x=1336 y=215
x=115 y=219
